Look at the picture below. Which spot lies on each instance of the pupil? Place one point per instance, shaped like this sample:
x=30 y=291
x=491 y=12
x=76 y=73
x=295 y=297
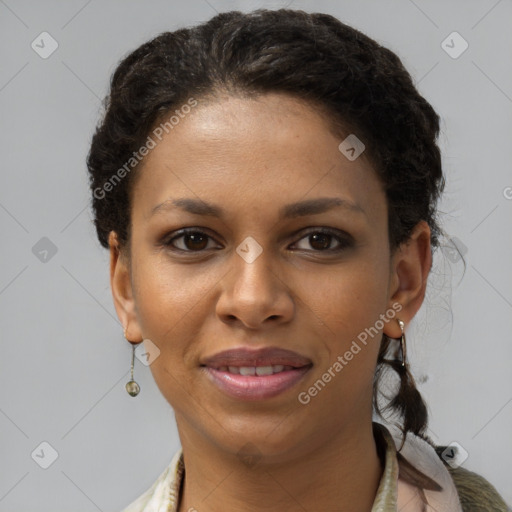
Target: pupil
x=195 y=239
x=320 y=237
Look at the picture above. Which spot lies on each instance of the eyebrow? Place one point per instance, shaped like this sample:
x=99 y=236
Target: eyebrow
x=289 y=211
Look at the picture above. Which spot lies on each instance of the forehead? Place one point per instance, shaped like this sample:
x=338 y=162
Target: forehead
x=270 y=148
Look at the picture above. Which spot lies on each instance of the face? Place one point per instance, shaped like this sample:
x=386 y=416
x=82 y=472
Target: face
x=254 y=271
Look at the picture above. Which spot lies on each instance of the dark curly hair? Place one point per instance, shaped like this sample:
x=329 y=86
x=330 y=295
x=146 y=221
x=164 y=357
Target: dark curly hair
x=356 y=83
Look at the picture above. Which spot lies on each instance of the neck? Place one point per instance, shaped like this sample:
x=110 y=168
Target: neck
x=341 y=474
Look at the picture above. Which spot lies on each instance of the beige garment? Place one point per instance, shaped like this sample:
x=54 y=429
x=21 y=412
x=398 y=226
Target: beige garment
x=418 y=458
x=394 y=494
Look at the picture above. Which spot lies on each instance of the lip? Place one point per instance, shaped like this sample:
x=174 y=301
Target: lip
x=248 y=387
x=256 y=357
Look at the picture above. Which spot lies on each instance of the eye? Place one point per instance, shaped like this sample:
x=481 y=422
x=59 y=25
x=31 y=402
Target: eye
x=193 y=240
x=321 y=240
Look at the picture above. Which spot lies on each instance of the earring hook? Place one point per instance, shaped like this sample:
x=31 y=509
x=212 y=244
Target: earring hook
x=402 y=342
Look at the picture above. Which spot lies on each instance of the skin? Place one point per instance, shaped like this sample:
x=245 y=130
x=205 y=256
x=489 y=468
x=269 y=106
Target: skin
x=252 y=157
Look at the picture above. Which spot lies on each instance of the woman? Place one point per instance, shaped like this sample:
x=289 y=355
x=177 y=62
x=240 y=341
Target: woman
x=266 y=184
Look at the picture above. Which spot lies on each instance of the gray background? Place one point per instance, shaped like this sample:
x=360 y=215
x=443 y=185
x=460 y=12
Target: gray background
x=64 y=360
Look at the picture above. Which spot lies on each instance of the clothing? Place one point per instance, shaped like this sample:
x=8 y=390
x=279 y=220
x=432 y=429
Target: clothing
x=417 y=464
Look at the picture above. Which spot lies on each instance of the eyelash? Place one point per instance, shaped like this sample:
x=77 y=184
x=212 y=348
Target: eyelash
x=345 y=241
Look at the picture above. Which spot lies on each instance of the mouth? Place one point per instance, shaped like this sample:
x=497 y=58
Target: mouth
x=263 y=358
x=255 y=370
x=249 y=374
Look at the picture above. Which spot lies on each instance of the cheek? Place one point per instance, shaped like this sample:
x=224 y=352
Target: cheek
x=348 y=307
x=347 y=304
x=167 y=294
x=172 y=305
x=169 y=303
x=347 y=298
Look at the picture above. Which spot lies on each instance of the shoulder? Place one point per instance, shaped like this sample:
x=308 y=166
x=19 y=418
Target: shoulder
x=475 y=492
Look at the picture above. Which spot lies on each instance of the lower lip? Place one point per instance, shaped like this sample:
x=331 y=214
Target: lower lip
x=249 y=387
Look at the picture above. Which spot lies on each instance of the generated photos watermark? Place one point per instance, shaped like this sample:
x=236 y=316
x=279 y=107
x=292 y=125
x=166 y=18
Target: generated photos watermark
x=305 y=397
x=151 y=143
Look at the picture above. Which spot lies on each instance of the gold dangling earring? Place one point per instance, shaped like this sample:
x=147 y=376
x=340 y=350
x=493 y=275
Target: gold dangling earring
x=132 y=387
x=403 y=347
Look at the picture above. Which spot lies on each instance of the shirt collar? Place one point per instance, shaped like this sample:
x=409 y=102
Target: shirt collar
x=386 y=497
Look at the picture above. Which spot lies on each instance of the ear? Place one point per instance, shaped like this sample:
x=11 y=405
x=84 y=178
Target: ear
x=121 y=286
x=410 y=266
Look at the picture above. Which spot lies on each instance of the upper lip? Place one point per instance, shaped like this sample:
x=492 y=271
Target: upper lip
x=257 y=357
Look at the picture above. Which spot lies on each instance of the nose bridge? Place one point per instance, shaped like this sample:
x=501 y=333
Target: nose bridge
x=253 y=266
x=254 y=291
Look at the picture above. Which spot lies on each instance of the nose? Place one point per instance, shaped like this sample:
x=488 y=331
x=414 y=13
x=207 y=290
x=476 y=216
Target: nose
x=254 y=294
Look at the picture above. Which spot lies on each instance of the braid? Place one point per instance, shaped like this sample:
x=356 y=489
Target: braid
x=408 y=402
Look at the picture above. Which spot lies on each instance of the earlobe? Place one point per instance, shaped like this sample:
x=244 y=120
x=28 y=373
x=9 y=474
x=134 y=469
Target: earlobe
x=410 y=268
x=122 y=293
